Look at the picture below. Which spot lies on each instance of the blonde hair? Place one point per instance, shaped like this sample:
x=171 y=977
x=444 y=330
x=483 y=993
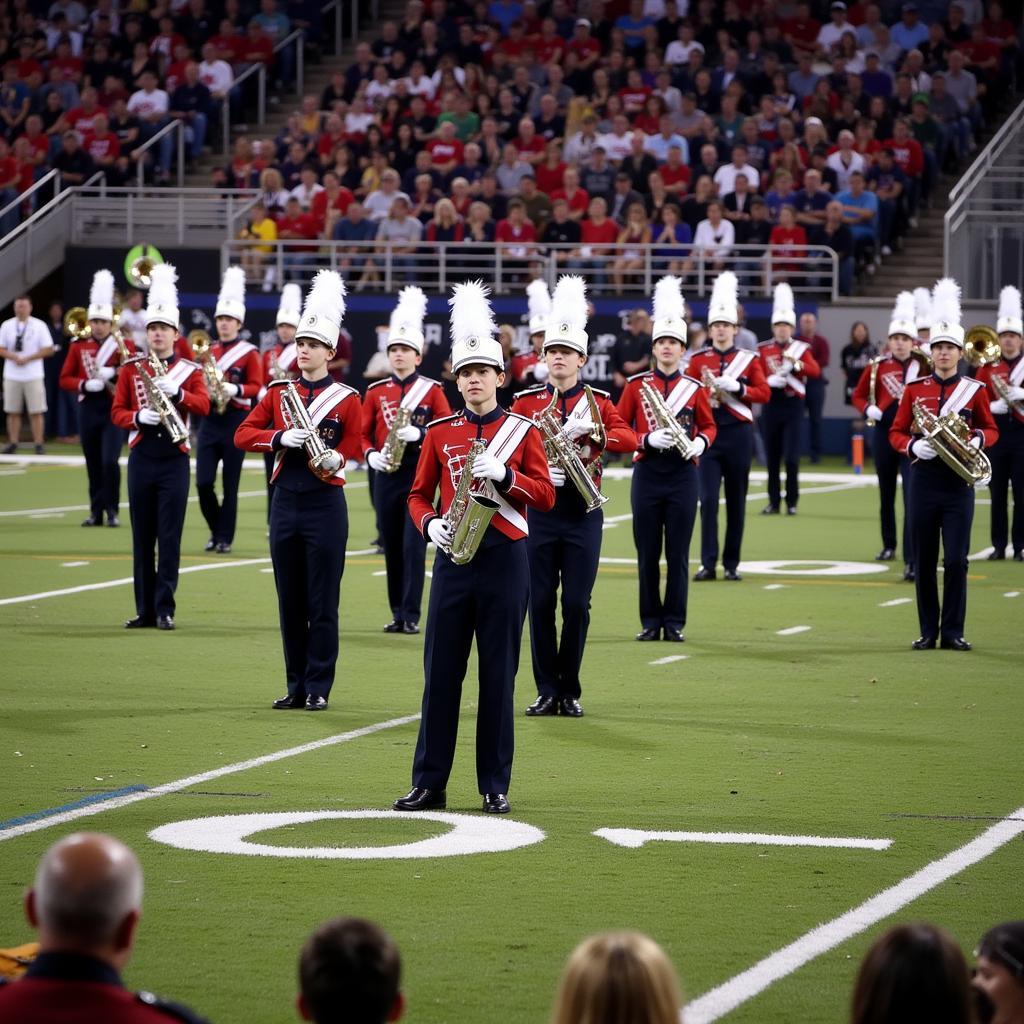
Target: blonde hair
x=618 y=978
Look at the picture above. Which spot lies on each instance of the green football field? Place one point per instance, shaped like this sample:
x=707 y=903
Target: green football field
x=836 y=730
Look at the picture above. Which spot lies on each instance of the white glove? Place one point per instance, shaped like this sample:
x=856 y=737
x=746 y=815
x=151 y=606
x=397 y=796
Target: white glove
x=873 y=413
x=976 y=442
x=378 y=462
x=776 y=380
x=727 y=384
x=999 y=407
x=660 y=439
x=487 y=467
x=94 y=384
x=231 y=390
x=294 y=437
x=149 y=417
x=540 y=372
x=786 y=367
x=332 y=462
x=107 y=372
x=1016 y=393
x=410 y=434
x=440 y=532
x=557 y=475
x=923 y=449
x=168 y=387
x=580 y=428
x=701 y=446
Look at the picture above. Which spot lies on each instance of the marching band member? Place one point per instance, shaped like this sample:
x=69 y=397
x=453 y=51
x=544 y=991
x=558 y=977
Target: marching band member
x=674 y=427
x=486 y=594
x=530 y=367
x=941 y=500
x=90 y=369
x=279 y=362
x=158 y=469
x=396 y=411
x=922 y=317
x=564 y=545
x=877 y=395
x=734 y=380
x=787 y=364
x=239 y=364
x=312 y=426
x=1007 y=456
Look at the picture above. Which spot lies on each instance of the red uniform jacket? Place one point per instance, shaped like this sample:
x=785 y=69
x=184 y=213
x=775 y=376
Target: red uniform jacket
x=1011 y=371
x=527 y=480
x=695 y=412
x=131 y=397
x=893 y=376
x=241 y=364
x=335 y=411
x=522 y=367
x=75 y=371
x=423 y=396
x=741 y=364
x=965 y=396
x=285 y=356
x=770 y=353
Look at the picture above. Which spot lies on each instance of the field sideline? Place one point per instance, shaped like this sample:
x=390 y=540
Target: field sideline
x=795 y=709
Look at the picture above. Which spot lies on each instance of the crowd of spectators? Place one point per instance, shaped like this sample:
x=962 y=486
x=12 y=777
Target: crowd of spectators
x=690 y=126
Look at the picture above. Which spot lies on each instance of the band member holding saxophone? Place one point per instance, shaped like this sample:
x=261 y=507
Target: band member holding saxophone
x=234 y=376
x=312 y=425
x=396 y=411
x=786 y=364
x=154 y=398
x=877 y=395
x=1005 y=380
x=734 y=380
x=674 y=426
x=489 y=466
x=90 y=370
x=943 y=422
x=579 y=423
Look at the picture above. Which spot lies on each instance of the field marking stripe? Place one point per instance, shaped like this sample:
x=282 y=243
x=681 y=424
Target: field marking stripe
x=635 y=838
x=792 y=630
x=728 y=996
x=895 y=601
x=194 y=780
x=669 y=659
x=85 y=801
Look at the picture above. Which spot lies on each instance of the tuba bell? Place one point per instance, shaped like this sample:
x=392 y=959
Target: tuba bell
x=76 y=323
x=139 y=271
x=981 y=345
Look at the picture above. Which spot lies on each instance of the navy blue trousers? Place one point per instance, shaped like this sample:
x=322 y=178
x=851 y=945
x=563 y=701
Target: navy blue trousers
x=888 y=465
x=664 y=501
x=486 y=598
x=405 y=548
x=216 y=446
x=268 y=470
x=726 y=461
x=308 y=537
x=564 y=553
x=101 y=445
x=157 y=499
x=1007 y=457
x=781 y=422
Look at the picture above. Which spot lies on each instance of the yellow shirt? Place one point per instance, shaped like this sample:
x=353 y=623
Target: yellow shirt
x=266 y=229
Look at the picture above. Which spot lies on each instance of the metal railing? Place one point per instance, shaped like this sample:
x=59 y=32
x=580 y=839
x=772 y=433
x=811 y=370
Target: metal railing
x=140 y=152
x=335 y=7
x=50 y=178
x=296 y=40
x=260 y=70
x=380 y=266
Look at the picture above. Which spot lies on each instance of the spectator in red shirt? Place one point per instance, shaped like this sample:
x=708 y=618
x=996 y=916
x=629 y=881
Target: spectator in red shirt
x=597 y=234
x=330 y=204
x=634 y=93
x=82 y=118
x=586 y=48
x=909 y=157
x=529 y=145
x=675 y=173
x=575 y=197
x=514 y=43
x=71 y=67
x=102 y=145
x=38 y=141
x=788 y=242
x=25 y=156
x=27 y=68
x=330 y=138
x=166 y=41
x=551 y=173
x=515 y=235
x=446 y=150
x=228 y=42
x=801 y=32
x=294 y=226
x=549 y=46
x=255 y=47
x=10 y=180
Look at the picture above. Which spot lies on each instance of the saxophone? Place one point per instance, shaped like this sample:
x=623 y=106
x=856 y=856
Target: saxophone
x=949 y=436
x=276 y=373
x=469 y=513
x=323 y=461
x=1002 y=389
x=658 y=412
x=562 y=451
x=160 y=403
x=203 y=349
x=394 y=447
x=714 y=392
x=92 y=371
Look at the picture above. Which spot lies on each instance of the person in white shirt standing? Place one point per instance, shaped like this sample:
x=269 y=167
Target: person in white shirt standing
x=24 y=343
x=151 y=105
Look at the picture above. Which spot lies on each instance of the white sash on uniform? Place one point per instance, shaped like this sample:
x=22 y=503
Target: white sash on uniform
x=960 y=395
x=286 y=360
x=503 y=446
x=1016 y=375
x=792 y=379
x=239 y=350
x=105 y=351
x=680 y=394
x=735 y=370
x=413 y=398
x=317 y=410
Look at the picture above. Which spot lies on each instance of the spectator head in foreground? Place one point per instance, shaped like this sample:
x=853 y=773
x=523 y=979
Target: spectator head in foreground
x=999 y=976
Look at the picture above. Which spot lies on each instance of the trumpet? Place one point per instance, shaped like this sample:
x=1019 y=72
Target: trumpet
x=202 y=346
x=394 y=447
x=156 y=399
x=470 y=513
x=323 y=461
x=981 y=346
x=562 y=451
x=949 y=436
x=655 y=404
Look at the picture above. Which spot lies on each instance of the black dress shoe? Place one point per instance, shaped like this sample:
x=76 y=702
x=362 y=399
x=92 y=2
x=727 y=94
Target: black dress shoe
x=496 y=803
x=210 y=545
x=997 y=555
x=289 y=702
x=885 y=555
x=908 y=574
x=394 y=627
x=703 y=574
x=674 y=635
x=791 y=510
x=733 y=576
x=955 y=643
x=419 y=799
x=222 y=547
x=570 y=707
x=770 y=510
x=410 y=628
x=924 y=643
x=543 y=706
x=140 y=622
x=112 y=519
x=93 y=521
x=165 y=622
x=315 y=703
x=651 y=633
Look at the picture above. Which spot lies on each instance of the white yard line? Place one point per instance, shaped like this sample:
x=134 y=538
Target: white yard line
x=895 y=601
x=775 y=586
x=1012 y=593
x=669 y=659
x=72 y=565
x=792 y=630
x=726 y=997
x=634 y=838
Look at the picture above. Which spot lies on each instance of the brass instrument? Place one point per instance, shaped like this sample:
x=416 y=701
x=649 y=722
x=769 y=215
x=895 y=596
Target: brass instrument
x=660 y=413
x=1002 y=388
x=470 y=512
x=714 y=392
x=156 y=399
x=394 y=447
x=873 y=385
x=140 y=270
x=323 y=461
x=923 y=360
x=949 y=436
x=202 y=346
x=277 y=371
x=789 y=356
x=981 y=345
x=562 y=451
x=76 y=323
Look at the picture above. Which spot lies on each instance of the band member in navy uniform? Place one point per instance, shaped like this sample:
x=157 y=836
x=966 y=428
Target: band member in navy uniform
x=665 y=484
x=239 y=362
x=309 y=515
x=1007 y=456
x=565 y=544
x=877 y=395
x=90 y=370
x=734 y=380
x=158 y=469
x=279 y=361
x=420 y=400
x=486 y=595
x=941 y=500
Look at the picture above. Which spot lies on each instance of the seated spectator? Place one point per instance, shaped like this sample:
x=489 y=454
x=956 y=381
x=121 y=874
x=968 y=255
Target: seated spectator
x=736 y=204
x=445 y=225
x=549 y=124
x=357 y=120
x=446 y=151
x=888 y=182
x=191 y=104
x=480 y=226
x=73 y=162
x=423 y=198
x=667 y=138
x=104 y=150
x=332 y=136
x=788 y=242
x=638 y=164
x=657 y=198
x=780 y=194
x=714 y=237
x=355 y=258
x=598 y=177
x=330 y=204
x=252 y=48
x=909 y=157
x=846 y=161
x=811 y=200
x=489 y=194
x=550 y=174
x=151 y=105
x=378 y=203
x=622 y=198
x=671 y=239
x=511 y=171
x=835 y=234
x=561 y=231
x=274 y=195
x=260 y=228
x=307 y=188
x=580 y=146
x=755 y=233
x=350 y=969
x=694 y=207
x=860 y=212
x=81 y=119
x=999 y=976
x=675 y=172
x=598 y=232
x=398 y=235
x=422 y=164
x=515 y=235
x=633 y=241
x=536 y=204
x=296 y=225
x=10 y=182
x=619 y=140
